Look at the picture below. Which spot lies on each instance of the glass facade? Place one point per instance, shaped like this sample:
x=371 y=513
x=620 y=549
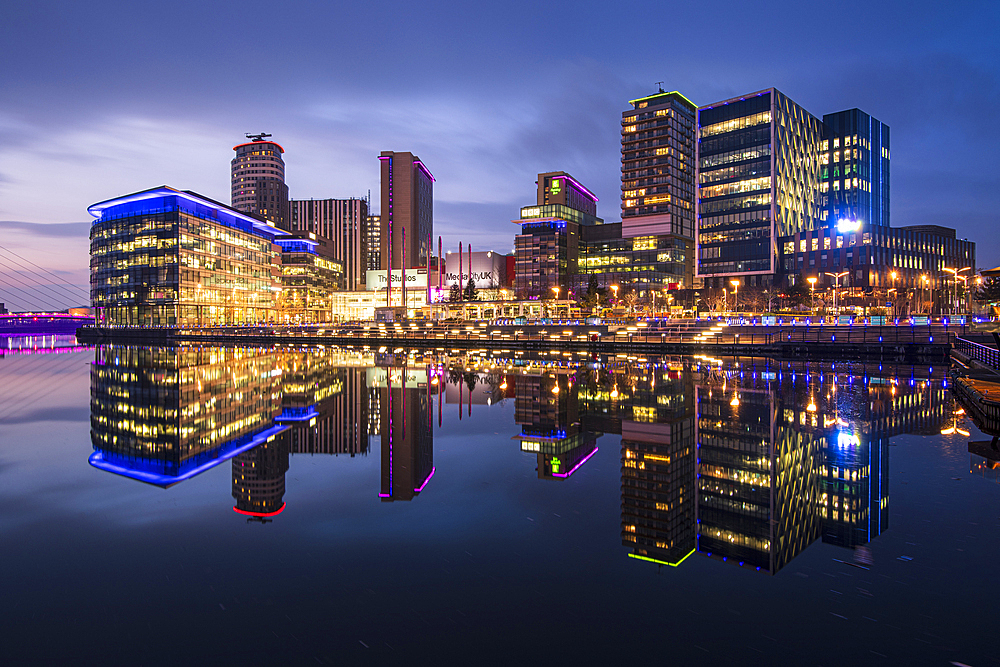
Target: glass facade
x=642 y=263
x=758 y=179
x=164 y=257
x=308 y=282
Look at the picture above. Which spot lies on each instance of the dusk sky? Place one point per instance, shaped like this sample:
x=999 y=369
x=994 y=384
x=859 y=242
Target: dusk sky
x=101 y=99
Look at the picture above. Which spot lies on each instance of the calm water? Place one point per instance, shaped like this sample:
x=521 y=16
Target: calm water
x=214 y=506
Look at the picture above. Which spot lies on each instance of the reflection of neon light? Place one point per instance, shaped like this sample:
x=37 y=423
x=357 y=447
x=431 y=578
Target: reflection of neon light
x=421 y=487
x=385 y=495
x=582 y=461
x=662 y=562
x=97 y=460
x=308 y=414
x=261 y=514
x=845 y=439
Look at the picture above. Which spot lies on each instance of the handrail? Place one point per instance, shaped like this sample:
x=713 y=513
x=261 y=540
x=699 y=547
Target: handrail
x=984 y=354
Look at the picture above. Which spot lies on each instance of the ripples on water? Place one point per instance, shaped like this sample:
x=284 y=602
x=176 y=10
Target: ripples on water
x=232 y=505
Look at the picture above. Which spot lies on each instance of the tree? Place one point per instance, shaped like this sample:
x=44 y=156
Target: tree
x=630 y=299
x=989 y=291
x=797 y=294
x=595 y=295
x=470 y=291
x=455 y=293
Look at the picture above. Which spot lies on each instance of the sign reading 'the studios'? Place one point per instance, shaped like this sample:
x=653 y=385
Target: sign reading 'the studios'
x=415 y=278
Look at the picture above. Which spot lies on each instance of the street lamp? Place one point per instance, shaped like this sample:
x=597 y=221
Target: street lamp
x=923 y=286
x=812 y=295
x=614 y=288
x=837 y=277
x=736 y=294
x=955 y=273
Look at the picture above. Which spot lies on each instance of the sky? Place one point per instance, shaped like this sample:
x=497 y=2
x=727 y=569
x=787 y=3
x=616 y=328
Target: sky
x=101 y=99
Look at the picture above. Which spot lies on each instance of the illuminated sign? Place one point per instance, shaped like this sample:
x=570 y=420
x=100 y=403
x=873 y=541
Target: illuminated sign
x=416 y=278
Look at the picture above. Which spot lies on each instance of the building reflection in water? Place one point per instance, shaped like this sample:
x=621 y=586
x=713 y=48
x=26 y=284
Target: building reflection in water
x=773 y=463
x=164 y=415
x=405 y=428
x=749 y=466
x=546 y=406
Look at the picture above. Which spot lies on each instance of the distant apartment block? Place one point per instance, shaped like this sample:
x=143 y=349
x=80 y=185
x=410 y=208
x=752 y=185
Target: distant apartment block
x=258 y=180
x=343 y=223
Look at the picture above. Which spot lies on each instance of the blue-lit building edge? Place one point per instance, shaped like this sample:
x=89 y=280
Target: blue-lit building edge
x=165 y=473
x=156 y=203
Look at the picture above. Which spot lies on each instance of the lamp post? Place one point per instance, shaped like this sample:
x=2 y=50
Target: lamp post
x=554 y=305
x=923 y=286
x=614 y=288
x=836 y=286
x=955 y=273
x=812 y=294
x=736 y=294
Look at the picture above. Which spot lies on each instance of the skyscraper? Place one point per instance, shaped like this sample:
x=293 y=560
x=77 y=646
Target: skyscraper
x=758 y=180
x=407 y=202
x=343 y=222
x=658 y=167
x=258 y=180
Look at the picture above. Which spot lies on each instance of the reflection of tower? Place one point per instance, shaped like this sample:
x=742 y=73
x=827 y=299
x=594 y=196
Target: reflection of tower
x=659 y=493
x=406 y=433
x=758 y=480
x=259 y=479
x=325 y=406
x=546 y=406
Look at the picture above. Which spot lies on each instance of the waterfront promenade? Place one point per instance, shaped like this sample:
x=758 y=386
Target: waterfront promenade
x=908 y=344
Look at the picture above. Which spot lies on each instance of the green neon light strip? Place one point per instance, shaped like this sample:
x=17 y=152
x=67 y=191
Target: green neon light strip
x=662 y=562
x=674 y=92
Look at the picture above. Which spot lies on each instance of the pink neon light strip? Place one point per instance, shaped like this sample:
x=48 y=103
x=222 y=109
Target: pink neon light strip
x=421 y=487
x=579 y=185
x=582 y=461
x=425 y=170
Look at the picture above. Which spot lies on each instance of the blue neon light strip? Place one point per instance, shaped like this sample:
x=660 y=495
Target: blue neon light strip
x=98 y=460
x=297 y=245
x=167 y=198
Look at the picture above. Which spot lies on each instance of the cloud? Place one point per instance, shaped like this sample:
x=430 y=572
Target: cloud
x=52 y=229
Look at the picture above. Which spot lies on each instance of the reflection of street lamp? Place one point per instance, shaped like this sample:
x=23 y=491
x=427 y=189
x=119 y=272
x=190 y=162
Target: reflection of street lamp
x=736 y=294
x=836 y=286
x=812 y=297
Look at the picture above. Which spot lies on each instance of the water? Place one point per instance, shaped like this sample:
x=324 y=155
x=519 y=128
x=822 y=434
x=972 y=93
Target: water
x=214 y=506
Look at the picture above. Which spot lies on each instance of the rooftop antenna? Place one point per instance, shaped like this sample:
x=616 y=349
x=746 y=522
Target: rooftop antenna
x=260 y=137
x=659 y=84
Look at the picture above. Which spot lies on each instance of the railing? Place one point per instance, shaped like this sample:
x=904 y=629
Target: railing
x=985 y=355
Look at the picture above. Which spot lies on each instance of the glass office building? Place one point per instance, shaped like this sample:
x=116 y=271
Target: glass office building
x=758 y=180
x=308 y=280
x=168 y=257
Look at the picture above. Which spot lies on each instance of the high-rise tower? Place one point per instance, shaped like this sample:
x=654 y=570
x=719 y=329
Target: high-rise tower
x=258 y=180
x=407 y=201
x=658 y=167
